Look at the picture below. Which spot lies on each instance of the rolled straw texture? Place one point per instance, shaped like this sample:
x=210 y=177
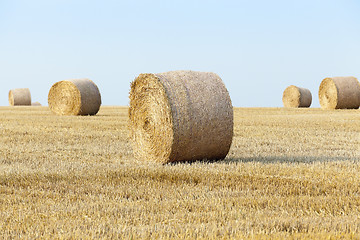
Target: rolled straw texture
x=295 y=97
x=19 y=97
x=74 y=97
x=339 y=93
x=180 y=116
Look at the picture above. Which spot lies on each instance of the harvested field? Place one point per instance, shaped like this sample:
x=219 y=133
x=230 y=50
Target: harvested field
x=290 y=173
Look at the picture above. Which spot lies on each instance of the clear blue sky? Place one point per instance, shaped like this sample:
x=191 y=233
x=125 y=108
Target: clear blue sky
x=257 y=47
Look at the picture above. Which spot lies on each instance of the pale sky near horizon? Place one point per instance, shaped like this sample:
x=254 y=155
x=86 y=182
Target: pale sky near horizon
x=257 y=47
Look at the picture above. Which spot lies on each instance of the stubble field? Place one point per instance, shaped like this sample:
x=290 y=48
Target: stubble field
x=290 y=173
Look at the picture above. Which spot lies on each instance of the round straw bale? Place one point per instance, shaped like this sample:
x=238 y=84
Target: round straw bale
x=35 y=104
x=19 y=96
x=74 y=97
x=295 y=97
x=180 y=116
x=339 y=93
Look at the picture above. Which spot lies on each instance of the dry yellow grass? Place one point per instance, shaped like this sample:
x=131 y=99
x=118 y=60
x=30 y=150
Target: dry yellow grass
x=290 y=173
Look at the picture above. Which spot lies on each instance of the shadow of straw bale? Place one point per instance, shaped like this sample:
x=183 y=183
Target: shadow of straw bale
x=272 y=159
x=202 y=161
x=289 y=159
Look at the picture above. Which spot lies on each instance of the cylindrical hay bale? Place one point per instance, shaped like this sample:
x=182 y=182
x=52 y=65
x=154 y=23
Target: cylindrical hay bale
x=35 y=104
x=180 y=116
x=339 y=93
x=74 y=97
x=19 y=97
x=295 y=97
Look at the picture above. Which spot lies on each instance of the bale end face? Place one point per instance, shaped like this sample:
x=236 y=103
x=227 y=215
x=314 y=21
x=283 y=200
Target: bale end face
x=150 y=120
x=291 y=97
x=11 y=98
x=64 y=98
x=328 y=94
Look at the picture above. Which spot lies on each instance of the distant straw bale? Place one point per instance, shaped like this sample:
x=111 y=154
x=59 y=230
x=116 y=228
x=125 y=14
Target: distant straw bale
x=339 y=93
x=180 y=116
x=74 y=97
x=20 y=97
x=35 y=104
x=295 y=97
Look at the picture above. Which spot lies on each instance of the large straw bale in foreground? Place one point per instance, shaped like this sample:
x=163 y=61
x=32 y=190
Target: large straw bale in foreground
x=74 y=97
x=295 y=97
x=19 y=97
x=339 y=93
x=180 y=116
